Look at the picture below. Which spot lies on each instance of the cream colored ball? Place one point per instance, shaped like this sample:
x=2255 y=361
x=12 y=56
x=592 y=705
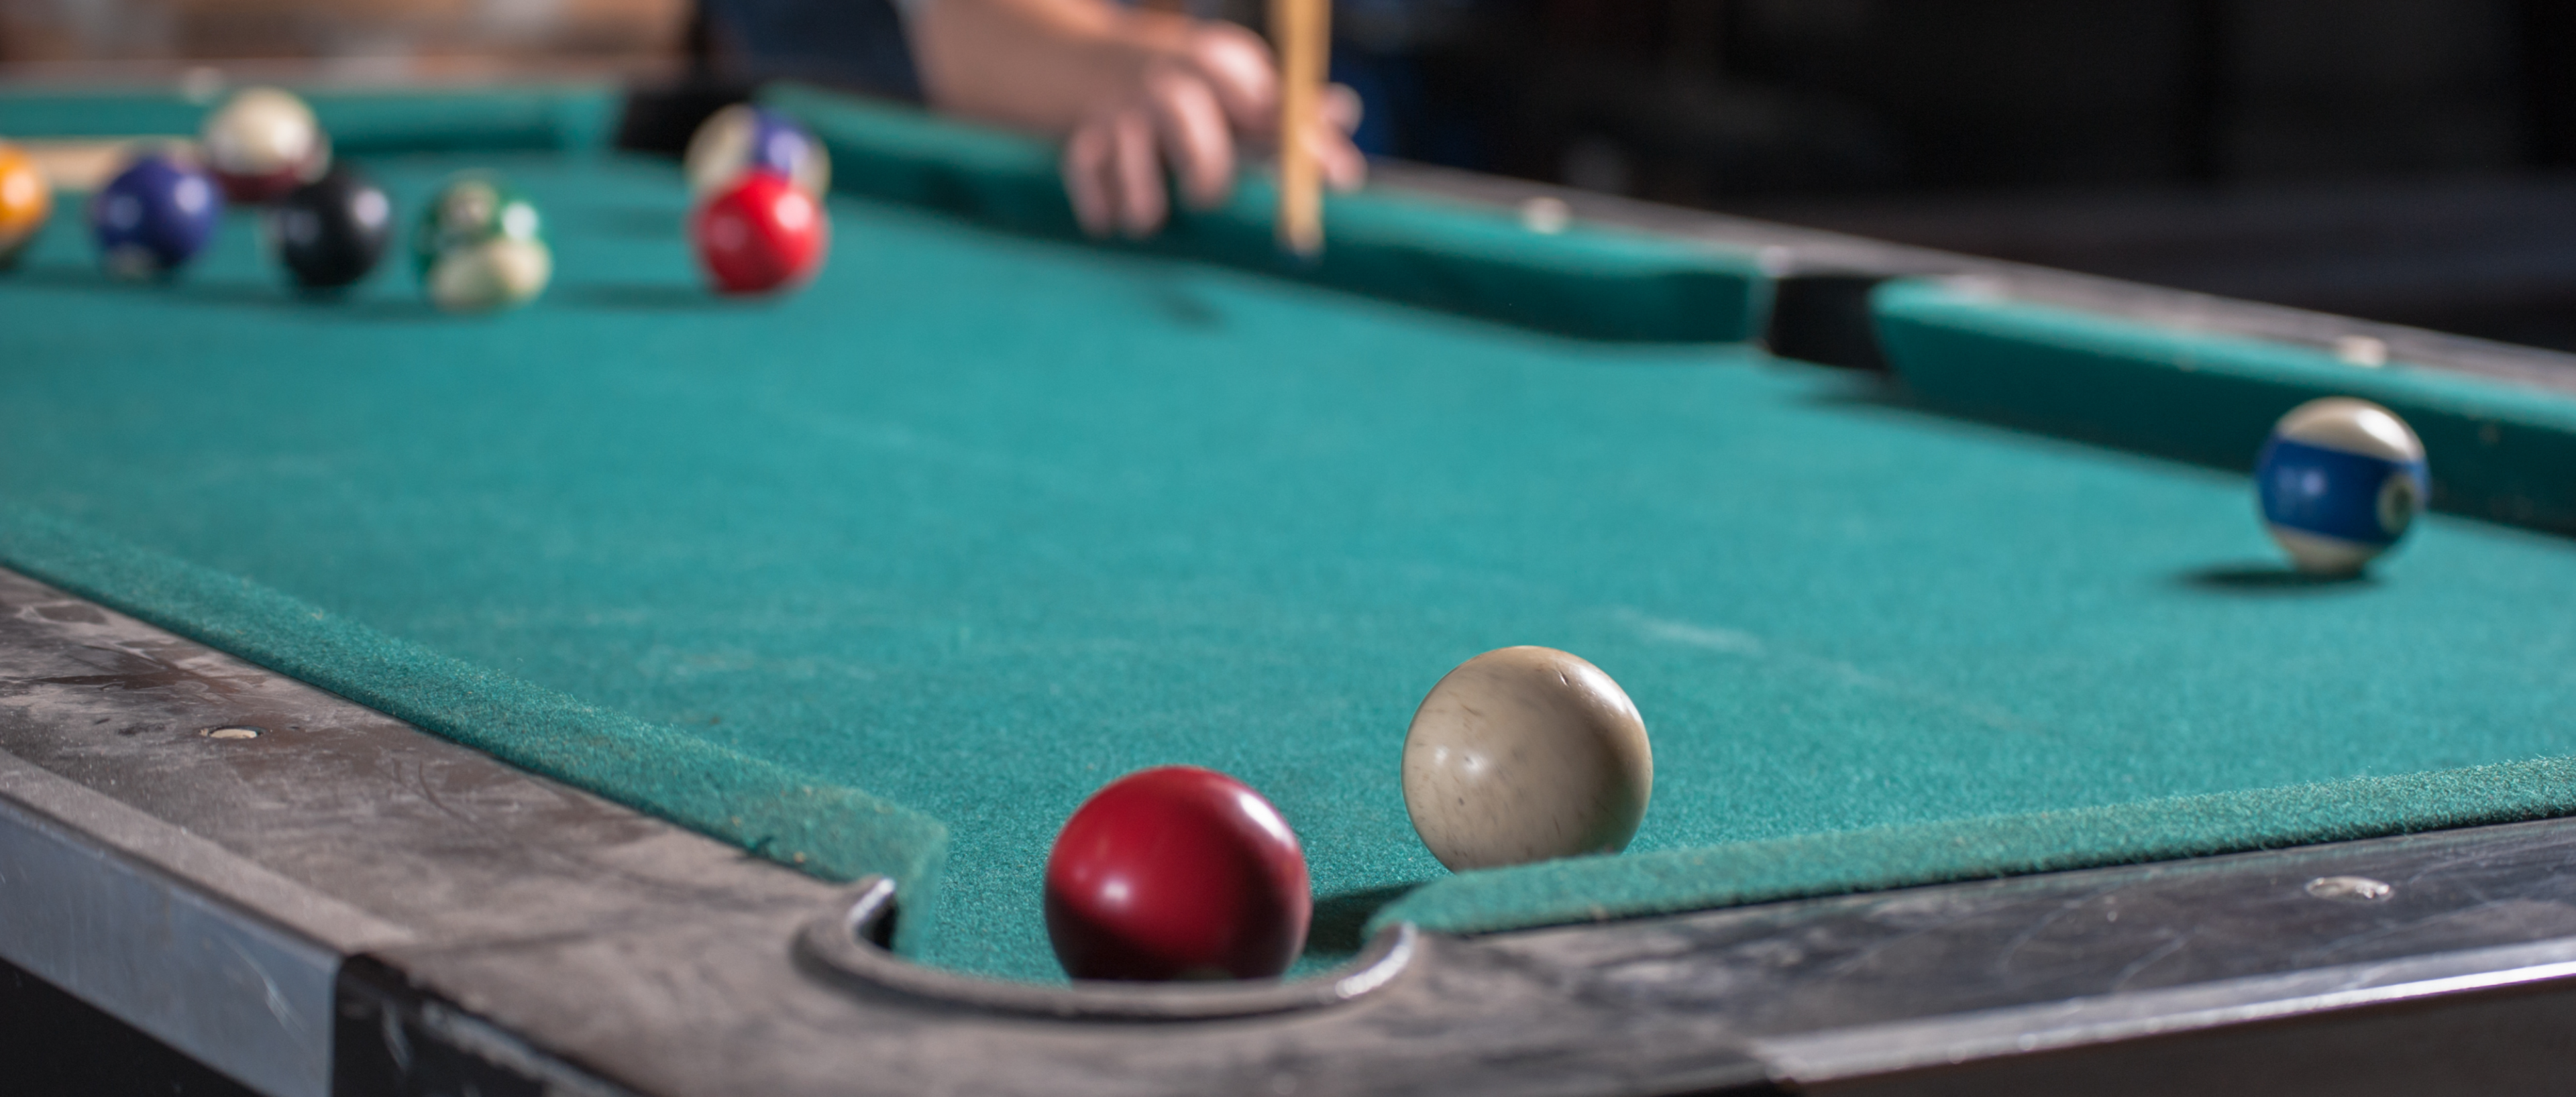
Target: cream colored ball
x=263 y=130
x=1524 y=754
x=494 y=275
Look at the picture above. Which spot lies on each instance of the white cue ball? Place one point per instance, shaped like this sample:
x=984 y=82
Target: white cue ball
x=1523 y=754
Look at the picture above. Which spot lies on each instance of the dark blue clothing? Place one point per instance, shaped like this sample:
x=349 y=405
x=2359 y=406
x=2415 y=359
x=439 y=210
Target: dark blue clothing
x=856 y=44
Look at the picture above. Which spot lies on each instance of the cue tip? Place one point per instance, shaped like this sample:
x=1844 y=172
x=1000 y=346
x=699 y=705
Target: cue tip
x=1304 y=243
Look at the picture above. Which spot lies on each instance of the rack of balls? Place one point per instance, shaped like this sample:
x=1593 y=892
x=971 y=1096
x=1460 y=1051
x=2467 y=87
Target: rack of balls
x=756 y=222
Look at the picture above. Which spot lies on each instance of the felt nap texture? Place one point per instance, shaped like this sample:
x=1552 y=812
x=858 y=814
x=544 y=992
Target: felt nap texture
x=2497 y=451
x=980 y=521
x=832 y=831
x=1588 y=282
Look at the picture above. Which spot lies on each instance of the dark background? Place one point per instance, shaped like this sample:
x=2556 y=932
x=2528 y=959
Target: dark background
x=2404 y=160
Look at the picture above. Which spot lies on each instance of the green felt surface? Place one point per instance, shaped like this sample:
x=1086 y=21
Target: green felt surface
x=911 y=562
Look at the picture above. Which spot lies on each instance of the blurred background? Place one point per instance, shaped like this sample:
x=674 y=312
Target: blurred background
x=349 y=39
x=2404 y=160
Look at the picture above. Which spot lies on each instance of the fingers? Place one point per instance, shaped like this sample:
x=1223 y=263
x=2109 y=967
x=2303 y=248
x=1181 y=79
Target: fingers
x=1113 y=175
x=1196 y=138
x=1345 y=168
x=1138 y=173
x=1342 y=107
x=1188 y=110
x=1343 y=165
x=1087 y=179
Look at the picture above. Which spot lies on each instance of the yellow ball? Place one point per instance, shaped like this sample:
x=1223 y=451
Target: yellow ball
x=25 y=202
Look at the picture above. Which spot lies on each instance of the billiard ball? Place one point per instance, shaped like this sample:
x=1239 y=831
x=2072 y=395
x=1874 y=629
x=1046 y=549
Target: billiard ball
x=473 y=208
x=25 y=202
x=262 y=143
x=2340 y=480
x=743 y=138
x=1524 y=754
x=481 y=247
x=155 y=216
x=760 y=234
x=1176 y=873
x=330 y=232
x=492 y=276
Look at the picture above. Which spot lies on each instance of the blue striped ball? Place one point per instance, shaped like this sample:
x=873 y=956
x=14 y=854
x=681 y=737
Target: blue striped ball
x=743 y=138
x=2340 y=482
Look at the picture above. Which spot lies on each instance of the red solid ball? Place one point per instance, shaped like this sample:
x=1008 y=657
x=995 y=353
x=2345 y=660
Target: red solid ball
x=759 y=234
x=256 y=190
x=1177 y=873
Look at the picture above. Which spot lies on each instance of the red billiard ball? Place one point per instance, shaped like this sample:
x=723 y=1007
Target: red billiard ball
x=759 y=234
x=1177 y=873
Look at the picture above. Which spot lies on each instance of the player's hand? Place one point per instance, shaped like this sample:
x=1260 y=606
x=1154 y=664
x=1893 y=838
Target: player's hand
x=1195 y=102
x=1132 y=92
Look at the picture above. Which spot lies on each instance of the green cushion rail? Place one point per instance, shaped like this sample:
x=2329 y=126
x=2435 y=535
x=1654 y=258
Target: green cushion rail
x=564 y=118
x=1582 y=282
x=2497 y=451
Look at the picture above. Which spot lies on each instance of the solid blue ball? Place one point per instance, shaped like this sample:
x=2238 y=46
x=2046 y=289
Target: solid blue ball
x=155 y=216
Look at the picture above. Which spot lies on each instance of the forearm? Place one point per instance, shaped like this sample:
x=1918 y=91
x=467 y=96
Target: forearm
x=1033 y=64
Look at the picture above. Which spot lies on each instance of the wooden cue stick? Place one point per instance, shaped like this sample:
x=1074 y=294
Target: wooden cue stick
x=1303 y=30
x=85 y=164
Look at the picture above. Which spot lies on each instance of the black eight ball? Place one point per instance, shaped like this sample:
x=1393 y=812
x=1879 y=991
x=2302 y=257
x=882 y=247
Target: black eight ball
x=330 y=232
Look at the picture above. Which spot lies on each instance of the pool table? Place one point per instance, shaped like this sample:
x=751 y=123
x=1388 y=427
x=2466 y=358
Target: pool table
x=650 y=691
